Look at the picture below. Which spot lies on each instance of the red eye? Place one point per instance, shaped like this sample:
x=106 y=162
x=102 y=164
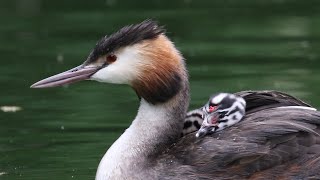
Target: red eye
x=212 y=108
x=111 y=58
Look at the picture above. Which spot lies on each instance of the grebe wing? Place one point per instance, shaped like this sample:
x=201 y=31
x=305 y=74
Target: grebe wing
x=258 y=100
x=269 y=142
x=264 y=144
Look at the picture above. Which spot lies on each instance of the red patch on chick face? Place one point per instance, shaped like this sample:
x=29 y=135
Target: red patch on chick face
x=212 y=108
x=214 y=120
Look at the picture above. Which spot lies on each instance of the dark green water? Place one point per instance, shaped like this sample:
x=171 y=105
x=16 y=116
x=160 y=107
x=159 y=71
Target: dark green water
x=230 y=45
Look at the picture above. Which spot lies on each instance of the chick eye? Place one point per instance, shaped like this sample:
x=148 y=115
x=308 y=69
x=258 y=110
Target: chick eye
x=111 y=58
x=222 y=114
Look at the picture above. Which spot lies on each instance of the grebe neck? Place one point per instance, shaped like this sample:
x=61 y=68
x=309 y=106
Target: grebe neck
x=155 y=128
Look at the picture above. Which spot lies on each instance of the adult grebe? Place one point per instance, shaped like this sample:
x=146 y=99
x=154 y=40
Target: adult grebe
x=274 y=140
x=221 y=111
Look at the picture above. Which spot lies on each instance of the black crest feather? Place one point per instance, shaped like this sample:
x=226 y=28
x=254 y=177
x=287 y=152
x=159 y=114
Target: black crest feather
x=128 y=35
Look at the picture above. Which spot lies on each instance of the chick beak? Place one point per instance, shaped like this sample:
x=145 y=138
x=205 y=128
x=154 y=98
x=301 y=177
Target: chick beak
x=204 y=130
x=209 y=124
x=76 y=74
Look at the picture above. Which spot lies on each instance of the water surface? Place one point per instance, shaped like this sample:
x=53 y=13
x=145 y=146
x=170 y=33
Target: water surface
x=61 y=133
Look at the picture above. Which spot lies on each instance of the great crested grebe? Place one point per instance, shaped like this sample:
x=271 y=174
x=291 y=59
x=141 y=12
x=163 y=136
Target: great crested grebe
x=221 y=111
x=278 y=138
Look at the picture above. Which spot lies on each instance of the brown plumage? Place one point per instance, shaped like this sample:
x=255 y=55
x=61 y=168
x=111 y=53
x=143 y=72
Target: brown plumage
x=158 y=80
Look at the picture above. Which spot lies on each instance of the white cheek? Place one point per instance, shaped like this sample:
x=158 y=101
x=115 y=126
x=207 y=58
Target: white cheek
x=112 y=74
x=123 y=71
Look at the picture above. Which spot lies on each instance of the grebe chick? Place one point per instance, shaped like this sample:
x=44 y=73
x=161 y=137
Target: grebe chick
x=223 y=110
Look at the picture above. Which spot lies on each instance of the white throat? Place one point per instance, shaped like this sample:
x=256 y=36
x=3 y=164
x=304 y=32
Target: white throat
x=152 y=124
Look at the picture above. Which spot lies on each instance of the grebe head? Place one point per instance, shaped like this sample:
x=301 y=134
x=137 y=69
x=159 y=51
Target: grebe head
x=138 y=55
x=222 y=110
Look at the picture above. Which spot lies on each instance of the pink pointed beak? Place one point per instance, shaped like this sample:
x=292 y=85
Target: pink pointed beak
x=76 y=74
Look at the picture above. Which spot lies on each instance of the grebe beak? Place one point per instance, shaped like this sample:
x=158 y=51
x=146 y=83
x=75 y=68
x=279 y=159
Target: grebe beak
x=76 y=74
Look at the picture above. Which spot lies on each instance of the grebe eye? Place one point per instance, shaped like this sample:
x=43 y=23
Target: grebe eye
x=111 y=58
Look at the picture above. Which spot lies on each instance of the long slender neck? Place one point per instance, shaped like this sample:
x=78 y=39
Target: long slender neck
x=155 y=128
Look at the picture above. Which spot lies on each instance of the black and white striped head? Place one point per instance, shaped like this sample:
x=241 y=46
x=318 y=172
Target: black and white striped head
x=223 y=110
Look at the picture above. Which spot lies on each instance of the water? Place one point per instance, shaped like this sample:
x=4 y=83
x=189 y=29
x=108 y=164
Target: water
x=62 y=133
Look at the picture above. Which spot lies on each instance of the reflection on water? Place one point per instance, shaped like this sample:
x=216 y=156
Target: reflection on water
x=62 y=133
